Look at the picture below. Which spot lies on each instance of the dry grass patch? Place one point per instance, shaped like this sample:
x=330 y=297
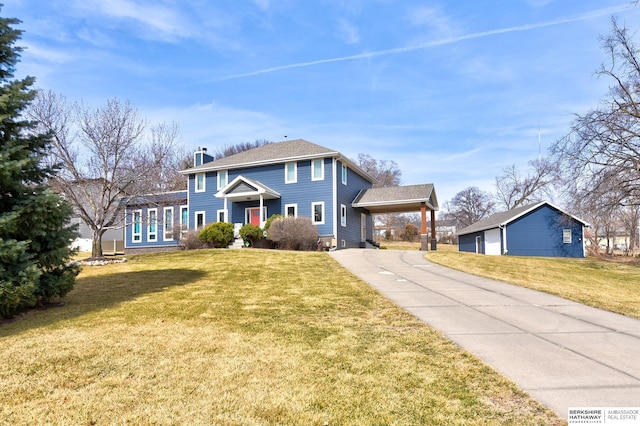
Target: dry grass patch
x=243 y=337
x=605 y=284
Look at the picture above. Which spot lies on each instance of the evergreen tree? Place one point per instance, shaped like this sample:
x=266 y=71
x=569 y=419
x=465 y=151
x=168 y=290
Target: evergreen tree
x=34 y=221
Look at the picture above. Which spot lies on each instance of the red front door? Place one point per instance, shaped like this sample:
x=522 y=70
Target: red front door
x=255 y=216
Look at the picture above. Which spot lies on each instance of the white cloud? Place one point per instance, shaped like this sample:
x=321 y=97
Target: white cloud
x=262 y=4
x=446 y=40
x=156 y=19
x=347 y=32
x=37 y=52
x=434 y=20
x=214 y=125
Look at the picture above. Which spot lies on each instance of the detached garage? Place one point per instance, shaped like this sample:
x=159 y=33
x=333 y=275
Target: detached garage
x=540 y=229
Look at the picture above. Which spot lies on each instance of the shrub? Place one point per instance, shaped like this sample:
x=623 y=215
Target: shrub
x=251 y=233
x=410 y=232
x=269 y=221
x=293 y=233
x=218 y=234
x=189 y=240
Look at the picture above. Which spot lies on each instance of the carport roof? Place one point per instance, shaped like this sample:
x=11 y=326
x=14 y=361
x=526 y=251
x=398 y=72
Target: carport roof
x=397 y=199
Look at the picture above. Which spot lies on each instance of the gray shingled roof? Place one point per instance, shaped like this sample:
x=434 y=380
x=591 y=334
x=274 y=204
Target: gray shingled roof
x=397 y=198
x=277 y=152
x=504 y=218
x=164 y=198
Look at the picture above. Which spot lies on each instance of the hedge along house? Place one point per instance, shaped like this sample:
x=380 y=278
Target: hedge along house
x=290 y=178
x=539 y=229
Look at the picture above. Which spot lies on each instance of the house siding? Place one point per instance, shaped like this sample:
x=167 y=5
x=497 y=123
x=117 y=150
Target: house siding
x=303 y=193
x=539 y=233
x=467 y=242
x=144 y=242
x=202 y=201
x=345 y=195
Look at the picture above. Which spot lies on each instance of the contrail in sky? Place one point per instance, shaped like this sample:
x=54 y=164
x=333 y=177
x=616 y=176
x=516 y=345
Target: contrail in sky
x=385 y=52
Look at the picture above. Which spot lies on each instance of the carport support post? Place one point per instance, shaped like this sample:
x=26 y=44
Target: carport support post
x=423 y=230
x=434 y=240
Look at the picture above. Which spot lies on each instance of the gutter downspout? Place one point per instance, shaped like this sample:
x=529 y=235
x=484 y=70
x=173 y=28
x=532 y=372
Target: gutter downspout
x=505 y=250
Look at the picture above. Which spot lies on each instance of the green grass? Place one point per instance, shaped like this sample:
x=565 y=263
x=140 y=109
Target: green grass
x=606 y=284
x=245 y=337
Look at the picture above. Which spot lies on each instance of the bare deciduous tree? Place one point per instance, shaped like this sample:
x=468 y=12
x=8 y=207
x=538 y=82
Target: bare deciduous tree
x=469 y=206
x=602 y=150
x=104 y=155
x=386 y=173
x=513 y=190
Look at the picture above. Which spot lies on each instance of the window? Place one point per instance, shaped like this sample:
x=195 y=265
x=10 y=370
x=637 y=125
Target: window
x=200 y=182
x=291 y=210
x=317 y=209
x=137 y=226
x=343 y=215
x=222 y=215
x=168 y=224
x=222 y=179
x=199 y=220
x=184 y=218
x=317 y=170
x=344 y=174
x=566 y=236
x=291 y=173
x=152 y=230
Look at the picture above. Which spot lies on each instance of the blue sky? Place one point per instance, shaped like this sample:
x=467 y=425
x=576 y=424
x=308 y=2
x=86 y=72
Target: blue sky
x=452 y=91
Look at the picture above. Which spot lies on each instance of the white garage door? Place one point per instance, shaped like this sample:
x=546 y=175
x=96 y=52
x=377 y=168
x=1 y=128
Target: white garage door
x=492 y=242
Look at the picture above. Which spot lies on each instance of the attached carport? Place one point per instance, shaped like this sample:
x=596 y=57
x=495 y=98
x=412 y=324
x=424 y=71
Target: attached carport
x=403 y=199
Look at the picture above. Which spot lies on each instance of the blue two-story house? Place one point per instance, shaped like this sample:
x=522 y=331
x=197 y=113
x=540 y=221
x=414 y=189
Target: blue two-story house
x=291 y=178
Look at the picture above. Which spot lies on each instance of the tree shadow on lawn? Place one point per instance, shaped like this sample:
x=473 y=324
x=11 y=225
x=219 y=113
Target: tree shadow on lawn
x=94 y=293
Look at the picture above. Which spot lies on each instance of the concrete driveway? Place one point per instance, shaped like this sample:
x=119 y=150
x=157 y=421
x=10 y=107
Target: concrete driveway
x=562 y=353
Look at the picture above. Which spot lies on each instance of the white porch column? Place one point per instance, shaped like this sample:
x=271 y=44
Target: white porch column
x=261 y=211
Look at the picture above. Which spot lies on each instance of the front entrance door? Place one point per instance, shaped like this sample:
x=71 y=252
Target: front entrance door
x=254 y=216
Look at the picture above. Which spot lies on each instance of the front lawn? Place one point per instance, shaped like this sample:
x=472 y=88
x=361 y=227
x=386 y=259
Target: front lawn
x=242 y=337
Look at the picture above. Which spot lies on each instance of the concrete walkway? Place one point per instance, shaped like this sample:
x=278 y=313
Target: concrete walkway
x=562 y=353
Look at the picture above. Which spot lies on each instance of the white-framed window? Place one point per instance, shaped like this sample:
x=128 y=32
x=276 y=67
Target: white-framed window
x=184 y=218
x=222 y=215
x=136 y=235
x=345 y=173
x=291 y=210
x=222 y=178
x=566 y=236
x=317 y=169
x=291 y=173
x=201 y=182
x=168 y=224
x=343 y=215
x=317 y=213
x=152 y=227
x=200 y=220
